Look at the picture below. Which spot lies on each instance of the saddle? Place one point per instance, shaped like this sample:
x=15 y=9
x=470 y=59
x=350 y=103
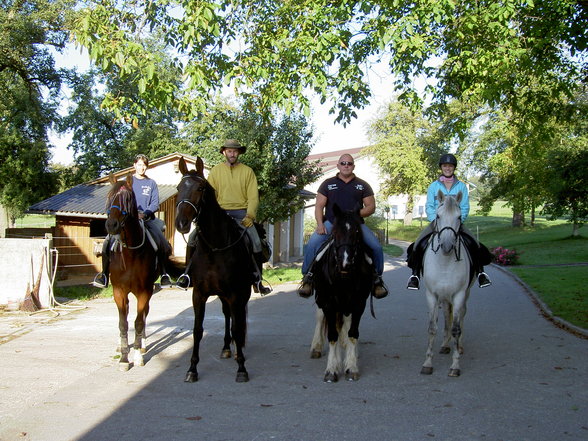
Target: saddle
x=479 y=255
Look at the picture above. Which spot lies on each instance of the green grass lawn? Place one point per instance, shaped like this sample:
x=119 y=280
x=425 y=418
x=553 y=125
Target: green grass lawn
x=548 y=243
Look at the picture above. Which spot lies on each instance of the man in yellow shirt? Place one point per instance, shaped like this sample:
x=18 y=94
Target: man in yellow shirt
x=236 y=190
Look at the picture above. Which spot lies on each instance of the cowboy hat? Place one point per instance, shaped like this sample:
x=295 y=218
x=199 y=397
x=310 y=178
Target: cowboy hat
x=233 y=144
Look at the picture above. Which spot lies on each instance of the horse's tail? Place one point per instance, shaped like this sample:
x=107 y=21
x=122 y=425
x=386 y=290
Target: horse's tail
x=173 y=267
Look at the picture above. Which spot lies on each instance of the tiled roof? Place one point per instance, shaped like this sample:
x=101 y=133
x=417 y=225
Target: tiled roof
x=86 y=200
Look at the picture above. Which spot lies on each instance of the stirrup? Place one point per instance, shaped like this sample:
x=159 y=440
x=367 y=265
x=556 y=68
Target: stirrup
x=484 y=280
x=183 y=282
x=165 y=281
x=262 y=290
x=100 y=280
x=413 y=282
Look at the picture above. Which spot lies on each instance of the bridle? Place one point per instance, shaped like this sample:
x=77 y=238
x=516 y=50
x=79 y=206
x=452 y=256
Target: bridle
x=456 y=239
x=197 y=211
x=118 y=242
x=200 y=189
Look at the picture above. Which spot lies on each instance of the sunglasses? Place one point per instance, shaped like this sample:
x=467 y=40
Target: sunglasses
x=344 y=163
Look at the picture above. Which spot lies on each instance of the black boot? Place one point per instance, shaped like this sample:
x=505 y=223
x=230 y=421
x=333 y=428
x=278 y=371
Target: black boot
x=101 y=280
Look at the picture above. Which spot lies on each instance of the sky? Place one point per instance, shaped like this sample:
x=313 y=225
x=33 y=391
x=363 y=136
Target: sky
x=328 y=136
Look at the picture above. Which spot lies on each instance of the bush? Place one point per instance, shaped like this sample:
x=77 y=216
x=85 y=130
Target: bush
x=504 y=256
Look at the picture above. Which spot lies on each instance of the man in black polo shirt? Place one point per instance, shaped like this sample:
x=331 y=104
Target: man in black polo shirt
x=347 y=191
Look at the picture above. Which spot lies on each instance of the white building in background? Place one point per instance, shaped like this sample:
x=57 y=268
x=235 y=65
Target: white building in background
x=366 y=169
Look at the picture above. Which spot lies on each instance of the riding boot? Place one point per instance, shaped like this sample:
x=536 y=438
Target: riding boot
x=257 y=285
x=165 y=279
x=305 y=288
x=379 y=290
x=101 y=279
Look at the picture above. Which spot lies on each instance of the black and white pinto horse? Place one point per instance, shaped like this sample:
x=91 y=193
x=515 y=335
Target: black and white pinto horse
x=448 y=275
x=221 y=264
x=343 y=276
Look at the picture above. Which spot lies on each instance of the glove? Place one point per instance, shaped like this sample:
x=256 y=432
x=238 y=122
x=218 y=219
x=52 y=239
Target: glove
x=148 y=215
x=247 y=222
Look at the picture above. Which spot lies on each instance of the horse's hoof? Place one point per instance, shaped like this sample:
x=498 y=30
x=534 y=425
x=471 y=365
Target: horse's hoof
x=191 y=377
x=124 y=367
x=454 y=372
x=445 y=350
x=427 y=370
x=331 y=377
x=351 y=376
x=315 y=354
x=242 y=377
x=226 y=353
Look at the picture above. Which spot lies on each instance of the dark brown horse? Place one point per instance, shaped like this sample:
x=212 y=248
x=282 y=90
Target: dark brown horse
x=221 y=264
x=132 y=266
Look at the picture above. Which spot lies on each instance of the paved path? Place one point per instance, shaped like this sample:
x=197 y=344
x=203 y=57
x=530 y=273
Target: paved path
x=522 y=377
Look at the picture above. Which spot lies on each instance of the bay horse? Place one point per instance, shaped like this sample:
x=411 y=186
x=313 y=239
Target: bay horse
x=448 y=275
x=132 y=266
x=221 y=265
x=343 y=277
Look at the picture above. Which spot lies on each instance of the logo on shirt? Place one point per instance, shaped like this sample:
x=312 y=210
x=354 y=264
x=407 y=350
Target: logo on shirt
x=146 y=191
x=359 y=187
x=332 y=187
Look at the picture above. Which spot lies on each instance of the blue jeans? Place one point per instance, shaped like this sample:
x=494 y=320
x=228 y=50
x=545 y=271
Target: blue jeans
x=369 y=238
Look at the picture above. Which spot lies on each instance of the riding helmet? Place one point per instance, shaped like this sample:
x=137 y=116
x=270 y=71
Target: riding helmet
x=233 y=144
x=448 y=158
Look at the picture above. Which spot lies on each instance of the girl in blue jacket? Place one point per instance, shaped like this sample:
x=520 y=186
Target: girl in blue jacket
x=449 y=185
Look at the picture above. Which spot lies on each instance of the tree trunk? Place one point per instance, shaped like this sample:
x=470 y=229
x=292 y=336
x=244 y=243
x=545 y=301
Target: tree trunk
x=408 y=214
x=518 y=219
x=533 y=216
x=575 y=229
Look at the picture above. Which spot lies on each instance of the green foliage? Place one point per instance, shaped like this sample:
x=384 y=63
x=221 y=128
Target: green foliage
x=485 y=51
x=29 y=85
x=276 y=151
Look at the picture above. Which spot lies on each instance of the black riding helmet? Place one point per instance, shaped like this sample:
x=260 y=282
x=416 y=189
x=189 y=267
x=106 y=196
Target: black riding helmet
x=448 y=158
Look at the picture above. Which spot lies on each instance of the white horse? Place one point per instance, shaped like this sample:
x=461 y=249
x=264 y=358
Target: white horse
x=448 y=276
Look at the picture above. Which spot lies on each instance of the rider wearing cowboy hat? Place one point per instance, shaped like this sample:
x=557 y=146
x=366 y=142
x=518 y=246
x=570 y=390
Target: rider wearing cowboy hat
x=236 y=191
x=449 y=185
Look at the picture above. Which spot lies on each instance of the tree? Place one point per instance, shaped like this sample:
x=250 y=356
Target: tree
x=29 y=86
x=485 y=51
x=276 y=150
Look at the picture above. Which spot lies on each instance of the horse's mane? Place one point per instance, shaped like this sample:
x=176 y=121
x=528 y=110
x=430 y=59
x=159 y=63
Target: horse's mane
x=127 y=197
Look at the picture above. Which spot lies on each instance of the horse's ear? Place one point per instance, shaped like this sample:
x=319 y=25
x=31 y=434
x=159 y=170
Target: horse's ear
x=129 y=180
x=182 y=166
x=459 y=197
x=440 y=196
x=111 y=179
x=200 y=166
